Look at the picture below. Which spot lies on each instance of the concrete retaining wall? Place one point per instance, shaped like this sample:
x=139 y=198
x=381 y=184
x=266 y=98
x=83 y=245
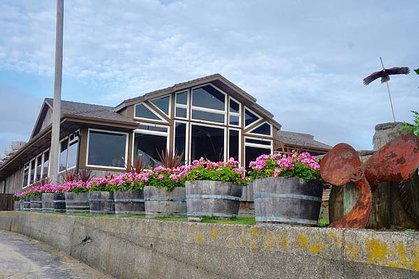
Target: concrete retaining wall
x=138 y=248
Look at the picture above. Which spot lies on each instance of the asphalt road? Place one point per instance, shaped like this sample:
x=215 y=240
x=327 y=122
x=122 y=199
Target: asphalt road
x=23 y=257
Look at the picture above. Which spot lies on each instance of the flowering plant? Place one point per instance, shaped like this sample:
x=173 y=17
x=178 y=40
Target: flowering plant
x=37 y=190
x=74 y=186
x=129 y=181
x=301 y=165
x=217 y=171
x=168 y=178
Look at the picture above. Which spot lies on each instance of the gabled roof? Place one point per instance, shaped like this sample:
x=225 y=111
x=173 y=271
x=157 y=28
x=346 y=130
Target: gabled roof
x=216 y=79
x=306 y=141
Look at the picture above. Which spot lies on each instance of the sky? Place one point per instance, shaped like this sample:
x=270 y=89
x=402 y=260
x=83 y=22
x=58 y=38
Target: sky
x=304 y=61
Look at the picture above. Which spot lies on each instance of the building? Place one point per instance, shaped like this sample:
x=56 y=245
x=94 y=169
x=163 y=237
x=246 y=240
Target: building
x=206 y=117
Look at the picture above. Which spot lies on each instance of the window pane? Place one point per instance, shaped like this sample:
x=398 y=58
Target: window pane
x=250 y=117
x=234 y=106
x=208 y=97
x=257 y=141
x=73 y=151
x=32 y=167
x=144 y=112
x=149 y=148
x=107 y=149
x=253 y=152
x=234 y=120
x=25 y=175
x=180 y=139
x=38 y=168
x=45 y=165
x=181 y=112
x=63 y=156
x=207 y=142
x=234 y=144
x=208 y=116
x=182 y=98
x=264 y=129
x=163 y=104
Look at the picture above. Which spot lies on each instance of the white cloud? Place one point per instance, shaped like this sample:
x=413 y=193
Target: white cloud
x=304 y=61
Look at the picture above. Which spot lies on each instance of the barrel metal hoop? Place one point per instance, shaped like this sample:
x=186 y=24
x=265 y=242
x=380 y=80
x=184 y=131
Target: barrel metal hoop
x=76 y=201
x=79 y=206
x=130 y=212
x=59 y=201
x=166 y=199
x=77 y=211
x=285 y=220
x=101 y=200
x=102 y=211
x=264 y=195
x=129 y=200
x=214 y=197
x=194 y=214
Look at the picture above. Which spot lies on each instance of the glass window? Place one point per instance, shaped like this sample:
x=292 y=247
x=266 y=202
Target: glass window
x=45 y=165
x=180 y=139
x=207 y=142
x=73 y=151
x=208 y=97
x=107 y=149
x=32 y=172
x=253 y=152
x=38 y=168
x=153 y=128
x=63 y=156
x=149 y=148
x=25 y=175
x=162 y=103
x=250 y=117
x=234 y=120
x=182 y=98
x=258 y=141
x=208 y=116
x=264 y=129
x=181 y=112
x=144 y=112
x=233 y=144
x=234 y=106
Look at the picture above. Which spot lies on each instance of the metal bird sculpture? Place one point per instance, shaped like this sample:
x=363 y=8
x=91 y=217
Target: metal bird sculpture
x=384 y=74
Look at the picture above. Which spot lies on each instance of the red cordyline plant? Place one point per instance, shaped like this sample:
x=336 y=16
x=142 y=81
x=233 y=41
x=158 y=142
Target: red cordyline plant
x=302 y=165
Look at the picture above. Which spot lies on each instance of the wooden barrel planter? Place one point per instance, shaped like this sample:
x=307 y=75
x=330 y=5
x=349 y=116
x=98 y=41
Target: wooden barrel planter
x=36 y=203
x=129 y=202
x=59 y=202
x=16 y=206
x=161 y=203
x=47 y=202
x=26 y=204
x=206 y=198
x=102 y=202
x=287 y=200
x=77 y=202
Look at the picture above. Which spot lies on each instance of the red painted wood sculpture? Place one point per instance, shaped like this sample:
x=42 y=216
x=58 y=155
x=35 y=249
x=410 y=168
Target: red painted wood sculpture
x=394 y=162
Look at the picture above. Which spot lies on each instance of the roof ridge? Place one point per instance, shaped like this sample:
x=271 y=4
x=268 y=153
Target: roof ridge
x=96 y=105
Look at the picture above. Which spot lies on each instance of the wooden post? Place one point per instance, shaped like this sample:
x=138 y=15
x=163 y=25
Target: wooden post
x=56 y=111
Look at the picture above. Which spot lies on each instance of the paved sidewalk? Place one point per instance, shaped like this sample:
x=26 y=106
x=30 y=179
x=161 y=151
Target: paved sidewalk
x=23 y=257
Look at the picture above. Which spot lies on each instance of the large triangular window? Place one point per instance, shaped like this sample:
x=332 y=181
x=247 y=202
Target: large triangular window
x=162 y=103
x=143 y=111
x=250 y=117
x=264 y=129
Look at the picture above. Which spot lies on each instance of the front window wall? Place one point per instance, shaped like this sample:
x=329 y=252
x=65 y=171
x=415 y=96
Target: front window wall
x=107 y=149
x=207 y=142
x=149 y=147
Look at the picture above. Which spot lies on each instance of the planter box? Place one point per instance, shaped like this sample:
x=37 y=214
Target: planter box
x=129 y=202
x=206 y=198
x=59 y=202
x=101 y=202
x=36 y=203
x=161 y=203
x=47 y=202
x=17 y=205
x=287 y=200
x=26 y=204
x=77 y=202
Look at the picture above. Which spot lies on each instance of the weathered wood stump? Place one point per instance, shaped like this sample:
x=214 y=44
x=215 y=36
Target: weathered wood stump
x=287 y=200
x=101 y=202
x=206 y=198
x=77 y=202
x=129 y=202
x=161 y=203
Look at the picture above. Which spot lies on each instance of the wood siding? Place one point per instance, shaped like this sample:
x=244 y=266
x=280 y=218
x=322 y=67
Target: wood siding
x=14 y=182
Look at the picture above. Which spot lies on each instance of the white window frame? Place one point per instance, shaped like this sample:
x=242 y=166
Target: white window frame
x=261 y=135
x=187 y=137
x=238 y=114
x=148 y=132
x=108 y=132
x=244 y=117
x=182 y=106
x=211 y=126
x=161 y=119
x=170 y=104
x=28 y=175
x=43 y=160
x=226 y=106
x=262 y=146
